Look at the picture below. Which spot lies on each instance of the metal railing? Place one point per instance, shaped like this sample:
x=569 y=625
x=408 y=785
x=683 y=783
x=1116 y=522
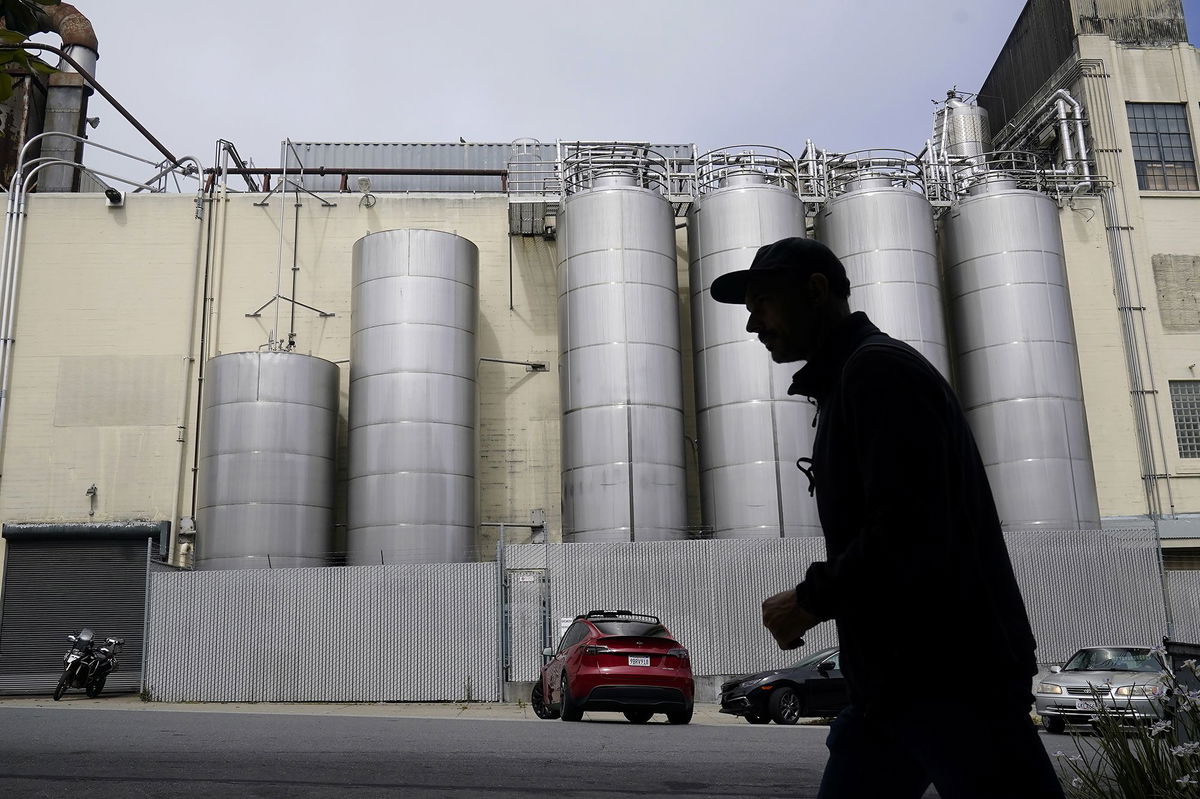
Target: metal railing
x=893 y=168
x=754 y=163
x=588 y=165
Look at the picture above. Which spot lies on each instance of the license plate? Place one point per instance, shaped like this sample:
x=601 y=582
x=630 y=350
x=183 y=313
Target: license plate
x=639 y=660
x=1085 y=704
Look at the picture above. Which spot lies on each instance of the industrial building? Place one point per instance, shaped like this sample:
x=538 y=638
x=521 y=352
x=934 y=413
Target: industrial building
x=420 y=360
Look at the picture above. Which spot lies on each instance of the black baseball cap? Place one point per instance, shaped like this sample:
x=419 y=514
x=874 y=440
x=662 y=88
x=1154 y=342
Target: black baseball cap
x=798 y=256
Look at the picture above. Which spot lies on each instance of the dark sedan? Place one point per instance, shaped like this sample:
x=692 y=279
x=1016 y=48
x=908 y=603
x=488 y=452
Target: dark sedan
x=812 y=687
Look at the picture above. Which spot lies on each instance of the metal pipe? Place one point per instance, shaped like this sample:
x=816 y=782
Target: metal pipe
x=323 y=171
x=1064 y=135
x=530 y=366
x=189 y=360
x=279 y=252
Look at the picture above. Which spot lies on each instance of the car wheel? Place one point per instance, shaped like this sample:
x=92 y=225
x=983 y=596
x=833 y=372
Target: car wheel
x=639 y=716
x=1054 y=724
x=680 y=716
x=758 y=718
x=784 y=706
x=567 y=708
x=538 y=701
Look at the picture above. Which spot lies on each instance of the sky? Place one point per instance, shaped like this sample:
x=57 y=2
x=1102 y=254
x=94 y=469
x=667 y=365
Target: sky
x=849 y=74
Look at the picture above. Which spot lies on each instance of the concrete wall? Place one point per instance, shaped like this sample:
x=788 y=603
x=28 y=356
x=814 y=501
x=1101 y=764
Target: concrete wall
x=1155 y=224
x=104 y=332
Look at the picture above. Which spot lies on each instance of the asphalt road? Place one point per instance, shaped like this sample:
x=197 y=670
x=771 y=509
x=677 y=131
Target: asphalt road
x=121 y=750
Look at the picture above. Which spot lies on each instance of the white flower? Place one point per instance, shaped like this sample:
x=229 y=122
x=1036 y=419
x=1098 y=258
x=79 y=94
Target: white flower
x=1159 y=727
x=1159 y=650
x=1185 y=781
x=1190 y=663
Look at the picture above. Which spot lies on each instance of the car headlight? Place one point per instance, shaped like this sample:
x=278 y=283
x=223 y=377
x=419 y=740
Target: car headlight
x=1135 y=690
x=1049 y=688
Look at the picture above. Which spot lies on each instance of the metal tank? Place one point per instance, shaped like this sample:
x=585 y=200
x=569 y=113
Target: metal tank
x=961 y=128
x=878 y=221
x=267 y=445
x=620 y=366
x=414 y=309
x=750 y=432
x=1017 y=364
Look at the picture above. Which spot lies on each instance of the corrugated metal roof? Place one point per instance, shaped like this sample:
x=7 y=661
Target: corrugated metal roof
x=429 y=155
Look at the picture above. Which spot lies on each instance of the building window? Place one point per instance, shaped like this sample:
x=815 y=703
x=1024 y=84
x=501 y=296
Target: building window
x=1185 y=404
x=1162 y=147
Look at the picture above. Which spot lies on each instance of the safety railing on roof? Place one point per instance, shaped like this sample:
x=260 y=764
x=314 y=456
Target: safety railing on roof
x=588 y=165
x=884 y=167
x=747 y=164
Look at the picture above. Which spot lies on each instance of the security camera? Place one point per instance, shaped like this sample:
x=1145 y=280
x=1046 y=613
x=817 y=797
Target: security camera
x=114 y=198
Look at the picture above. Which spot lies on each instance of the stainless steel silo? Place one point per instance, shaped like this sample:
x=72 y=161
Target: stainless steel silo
x=266 y=461
x=1017 y=364
x=623 y=468
x=878 y=221
x=961 y=128
x=750 y=432
x=414 y=310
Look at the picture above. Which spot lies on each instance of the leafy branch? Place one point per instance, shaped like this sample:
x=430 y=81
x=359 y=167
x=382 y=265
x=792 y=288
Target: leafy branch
x=21 y=19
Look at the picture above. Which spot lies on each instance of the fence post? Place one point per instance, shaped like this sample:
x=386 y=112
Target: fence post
x=146 y=618
x=501 y=627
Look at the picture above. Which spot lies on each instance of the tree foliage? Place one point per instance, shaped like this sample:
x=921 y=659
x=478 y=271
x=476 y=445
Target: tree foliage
x=21 y=19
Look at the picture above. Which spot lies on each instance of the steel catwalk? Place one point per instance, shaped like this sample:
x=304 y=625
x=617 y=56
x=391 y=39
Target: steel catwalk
x=1017 y=363
x=413 y=398
x=620 y=366
x=884 y=235
x=750 y=431
x=268 y=437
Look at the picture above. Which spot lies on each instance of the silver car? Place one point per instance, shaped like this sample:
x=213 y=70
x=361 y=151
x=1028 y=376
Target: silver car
x=1123 y=678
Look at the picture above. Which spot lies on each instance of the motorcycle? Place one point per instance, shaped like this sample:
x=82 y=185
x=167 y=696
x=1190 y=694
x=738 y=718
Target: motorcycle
x=76 y=663
x=87 y=666
x=104 y=663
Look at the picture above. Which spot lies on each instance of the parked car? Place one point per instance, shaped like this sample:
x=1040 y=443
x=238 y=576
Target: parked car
x=1124 y=678
x=812 y=687
x=619 y=661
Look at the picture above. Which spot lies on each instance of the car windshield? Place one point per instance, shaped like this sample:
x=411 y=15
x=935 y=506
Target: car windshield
x=814 y=658
x=1117 y=658
x=628 y=627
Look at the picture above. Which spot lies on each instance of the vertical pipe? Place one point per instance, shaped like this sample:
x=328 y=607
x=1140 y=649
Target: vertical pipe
x=1064 y=135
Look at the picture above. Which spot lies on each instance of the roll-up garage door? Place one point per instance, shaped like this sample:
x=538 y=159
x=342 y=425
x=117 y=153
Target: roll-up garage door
x=59 y=579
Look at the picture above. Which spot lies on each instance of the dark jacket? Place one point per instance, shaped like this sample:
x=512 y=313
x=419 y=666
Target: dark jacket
x=917 y=575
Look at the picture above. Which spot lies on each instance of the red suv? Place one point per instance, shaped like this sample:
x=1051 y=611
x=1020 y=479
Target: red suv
x=620 y=661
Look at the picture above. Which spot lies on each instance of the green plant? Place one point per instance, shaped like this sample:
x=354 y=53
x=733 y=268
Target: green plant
x=1141 y=760
x=21 y=18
